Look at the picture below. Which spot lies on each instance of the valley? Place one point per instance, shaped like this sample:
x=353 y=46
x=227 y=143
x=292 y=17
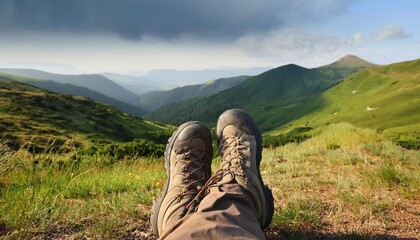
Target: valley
x=341 y=150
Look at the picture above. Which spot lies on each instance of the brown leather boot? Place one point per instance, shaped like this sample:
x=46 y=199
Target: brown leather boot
x=188 y=158
x=240 y=149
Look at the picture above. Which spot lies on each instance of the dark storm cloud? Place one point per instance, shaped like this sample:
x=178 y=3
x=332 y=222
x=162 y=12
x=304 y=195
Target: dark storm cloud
x=162 y=18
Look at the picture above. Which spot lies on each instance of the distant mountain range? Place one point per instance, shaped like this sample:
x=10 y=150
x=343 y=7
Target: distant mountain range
x=289 y=97
x=137 y=84
x=43 y=66
x=194 y=77
x=74 y=90
x=94 y=82
x=104 y=90
x=283 y=97
x=268 y=96
x=153 y=100
x=164 y=80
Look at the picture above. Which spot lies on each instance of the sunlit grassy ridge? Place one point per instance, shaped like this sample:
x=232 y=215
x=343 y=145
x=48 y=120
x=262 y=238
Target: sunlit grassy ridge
x=35 y=117
x=383 y=98
x=345 y=181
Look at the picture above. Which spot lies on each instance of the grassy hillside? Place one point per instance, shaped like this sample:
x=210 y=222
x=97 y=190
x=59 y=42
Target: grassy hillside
x=153 y=100
x=37 y=118
x=77 y=91
x=85 y=92
x=343 y=183
x=267 y=96
x=383 y=98
x=94 y=82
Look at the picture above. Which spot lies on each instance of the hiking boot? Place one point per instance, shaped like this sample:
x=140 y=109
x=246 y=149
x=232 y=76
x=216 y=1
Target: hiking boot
x=188 y=158
x=240 y=149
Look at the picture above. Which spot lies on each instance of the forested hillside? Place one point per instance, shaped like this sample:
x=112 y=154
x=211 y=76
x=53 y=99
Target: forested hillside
x=156 y=99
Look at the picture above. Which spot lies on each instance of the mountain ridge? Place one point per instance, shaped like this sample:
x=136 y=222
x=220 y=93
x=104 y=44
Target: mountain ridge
x=267 y=92
x=351 y=61
x=94 y=82
x=77 y=91
x=383 y=97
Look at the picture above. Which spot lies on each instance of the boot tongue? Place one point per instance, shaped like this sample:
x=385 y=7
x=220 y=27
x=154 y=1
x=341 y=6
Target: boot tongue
x=193 y=144
x=231 y=130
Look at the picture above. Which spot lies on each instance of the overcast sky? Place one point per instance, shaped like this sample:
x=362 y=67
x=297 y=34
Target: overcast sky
x=142 y=35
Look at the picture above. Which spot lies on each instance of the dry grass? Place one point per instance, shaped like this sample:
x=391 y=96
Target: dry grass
x=345 y=182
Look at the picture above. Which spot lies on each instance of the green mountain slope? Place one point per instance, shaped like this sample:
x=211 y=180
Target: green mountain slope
x=267 y=96
x=93 y=82
x=34 y=117
x=153 y=100
x=384 y=98
x=134 y=110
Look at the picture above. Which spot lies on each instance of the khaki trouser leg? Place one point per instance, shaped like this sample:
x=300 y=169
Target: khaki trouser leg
x=227 y=212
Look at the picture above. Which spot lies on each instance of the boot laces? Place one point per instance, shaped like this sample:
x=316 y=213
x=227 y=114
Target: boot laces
x=233 y=150
x=192 y=180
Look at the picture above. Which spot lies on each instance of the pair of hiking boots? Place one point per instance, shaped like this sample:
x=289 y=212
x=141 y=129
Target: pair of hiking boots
x=188 y=159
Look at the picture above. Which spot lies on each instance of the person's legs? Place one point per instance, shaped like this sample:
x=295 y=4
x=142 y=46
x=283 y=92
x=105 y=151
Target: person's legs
x=188 y=158
x=225 y=213
x=237 y=204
